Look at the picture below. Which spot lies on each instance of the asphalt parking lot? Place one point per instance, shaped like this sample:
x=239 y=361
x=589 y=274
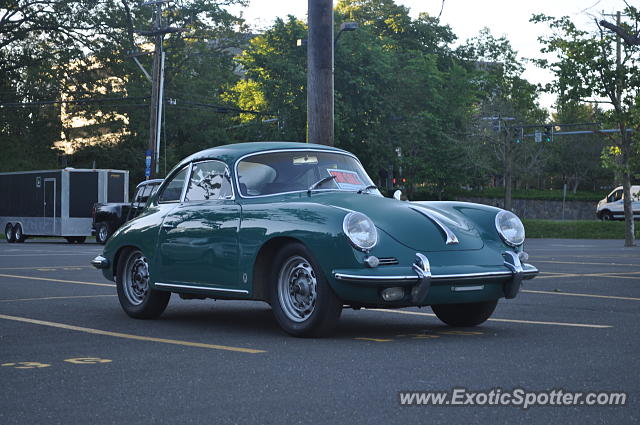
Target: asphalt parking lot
x=69 y=355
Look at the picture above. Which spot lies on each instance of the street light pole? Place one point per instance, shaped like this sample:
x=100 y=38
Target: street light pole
x=320 y=72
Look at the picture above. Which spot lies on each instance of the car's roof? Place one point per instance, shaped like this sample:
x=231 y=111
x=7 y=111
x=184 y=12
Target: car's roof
x=230 y=153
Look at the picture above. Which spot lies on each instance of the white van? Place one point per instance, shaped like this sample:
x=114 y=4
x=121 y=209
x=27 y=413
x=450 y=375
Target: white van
x=612 y=208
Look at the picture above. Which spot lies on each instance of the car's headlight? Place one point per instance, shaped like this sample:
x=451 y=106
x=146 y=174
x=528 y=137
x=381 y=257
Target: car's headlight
x=510 y=228
x=361 y=231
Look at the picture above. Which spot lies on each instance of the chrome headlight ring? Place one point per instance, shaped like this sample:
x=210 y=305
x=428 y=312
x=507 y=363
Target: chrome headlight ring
x=510 y=228
x=360 y=230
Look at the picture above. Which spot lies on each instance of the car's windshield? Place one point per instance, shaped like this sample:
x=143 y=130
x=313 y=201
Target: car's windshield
x=292 y=171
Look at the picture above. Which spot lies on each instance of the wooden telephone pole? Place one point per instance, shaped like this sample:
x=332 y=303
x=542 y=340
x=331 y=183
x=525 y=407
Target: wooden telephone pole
x=320 y=73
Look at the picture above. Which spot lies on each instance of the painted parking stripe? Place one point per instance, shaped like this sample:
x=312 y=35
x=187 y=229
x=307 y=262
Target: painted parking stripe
x=573 y=294
x=130 y=336
x=528 y=322
x=84 y=254
x=584 y=262
x=76 y=282
x=611 y=274
x=46 y=267
x=56 y=298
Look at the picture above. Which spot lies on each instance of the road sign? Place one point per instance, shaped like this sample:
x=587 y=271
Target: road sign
x=147 y=164
x=538 y=135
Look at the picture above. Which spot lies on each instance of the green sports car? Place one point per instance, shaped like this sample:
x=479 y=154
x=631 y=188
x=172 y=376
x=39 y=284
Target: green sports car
x=303 y=228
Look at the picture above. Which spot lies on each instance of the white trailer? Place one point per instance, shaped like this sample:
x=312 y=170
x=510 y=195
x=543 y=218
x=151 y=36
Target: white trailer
x=56 y=202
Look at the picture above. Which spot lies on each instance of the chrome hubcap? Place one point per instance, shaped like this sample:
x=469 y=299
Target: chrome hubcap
x=103 y=233
x=297 y=289
x=136 y=278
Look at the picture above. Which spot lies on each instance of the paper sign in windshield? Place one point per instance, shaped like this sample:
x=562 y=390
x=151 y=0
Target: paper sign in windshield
x=346 y=180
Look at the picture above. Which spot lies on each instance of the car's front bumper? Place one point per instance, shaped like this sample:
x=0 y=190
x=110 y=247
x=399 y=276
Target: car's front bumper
x=424 y=287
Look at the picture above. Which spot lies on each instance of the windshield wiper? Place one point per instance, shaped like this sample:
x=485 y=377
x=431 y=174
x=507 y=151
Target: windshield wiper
x=320 y=183
x=368 y=188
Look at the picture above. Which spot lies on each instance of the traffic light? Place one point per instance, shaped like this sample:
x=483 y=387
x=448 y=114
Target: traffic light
x=518 y=134
x=548 y=133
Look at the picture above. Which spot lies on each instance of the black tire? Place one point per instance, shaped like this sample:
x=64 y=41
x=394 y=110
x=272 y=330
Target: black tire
x=70 y=239
x=102 y=233
x=18 y=235
x=307 y=307
x=606 y=215
x=80 y=239
x=465 y=315
x=9 y=233
x=132 y=284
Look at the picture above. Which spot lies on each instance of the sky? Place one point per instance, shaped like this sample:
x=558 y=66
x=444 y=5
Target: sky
x=467 y=17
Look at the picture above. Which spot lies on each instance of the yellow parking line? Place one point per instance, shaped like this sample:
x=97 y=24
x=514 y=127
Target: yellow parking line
x=613 y=297
x=528 y=322
x=43 y=267
x=610 y=274
x=617 y=276
x=581 y=262
x=130 y=336
x=77 y=282
x=56 y=298
x=374 y=339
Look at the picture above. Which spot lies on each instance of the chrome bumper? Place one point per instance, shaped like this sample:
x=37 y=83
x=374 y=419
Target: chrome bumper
x=423 y=278
x=100 y=262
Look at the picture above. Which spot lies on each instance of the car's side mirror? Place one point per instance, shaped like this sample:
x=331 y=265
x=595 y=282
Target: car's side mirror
x=397 y=195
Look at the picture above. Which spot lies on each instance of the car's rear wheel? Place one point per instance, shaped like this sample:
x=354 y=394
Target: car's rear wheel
x=9 y=233
x=102 y=233
x=302 y=300
x=464 y=315
x=134 y=292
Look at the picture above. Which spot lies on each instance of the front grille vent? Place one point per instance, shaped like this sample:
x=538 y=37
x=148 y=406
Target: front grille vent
x=388 y=261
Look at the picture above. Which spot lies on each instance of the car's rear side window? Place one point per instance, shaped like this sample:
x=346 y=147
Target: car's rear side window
x=210 y=180
x=173 y=190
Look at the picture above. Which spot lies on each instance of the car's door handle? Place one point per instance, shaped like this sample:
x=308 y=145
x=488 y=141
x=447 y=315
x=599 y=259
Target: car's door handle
x=168 y=226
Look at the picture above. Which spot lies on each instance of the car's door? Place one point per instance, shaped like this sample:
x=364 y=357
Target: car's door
x=198 y=242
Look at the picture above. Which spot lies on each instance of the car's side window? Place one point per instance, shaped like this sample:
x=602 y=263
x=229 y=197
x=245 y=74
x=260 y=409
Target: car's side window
x=210 y=180
x=173 y=190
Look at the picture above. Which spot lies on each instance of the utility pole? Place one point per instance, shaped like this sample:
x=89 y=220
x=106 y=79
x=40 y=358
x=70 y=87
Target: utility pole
x=320 y=72
x=157 y=87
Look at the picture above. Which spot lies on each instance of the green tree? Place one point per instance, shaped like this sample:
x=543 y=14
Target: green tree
x=589 y=66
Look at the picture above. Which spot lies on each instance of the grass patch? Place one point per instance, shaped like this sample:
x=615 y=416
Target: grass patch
x=577 y=229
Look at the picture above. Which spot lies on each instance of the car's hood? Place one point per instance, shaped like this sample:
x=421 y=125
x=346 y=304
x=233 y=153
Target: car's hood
x=424 y=226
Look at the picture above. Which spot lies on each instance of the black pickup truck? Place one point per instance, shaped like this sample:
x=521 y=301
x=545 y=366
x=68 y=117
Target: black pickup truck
x=107 y=218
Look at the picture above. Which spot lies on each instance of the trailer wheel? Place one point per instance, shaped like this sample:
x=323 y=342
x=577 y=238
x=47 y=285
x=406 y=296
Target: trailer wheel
x=17 y=230
x=9 y=233
x=102 y=233
x=75 y=239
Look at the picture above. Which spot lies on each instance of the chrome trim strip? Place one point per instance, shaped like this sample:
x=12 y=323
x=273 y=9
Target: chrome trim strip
x=353 y=277
x=451 y=237
x=201 y=288
x=467 y=288
x=235 y=168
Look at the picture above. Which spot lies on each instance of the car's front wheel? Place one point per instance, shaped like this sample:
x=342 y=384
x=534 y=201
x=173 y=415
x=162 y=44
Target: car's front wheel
x=132 y=283
x=464 y=315
x=302 y=300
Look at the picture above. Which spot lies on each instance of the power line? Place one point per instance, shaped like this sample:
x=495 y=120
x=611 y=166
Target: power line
x=72 y=102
